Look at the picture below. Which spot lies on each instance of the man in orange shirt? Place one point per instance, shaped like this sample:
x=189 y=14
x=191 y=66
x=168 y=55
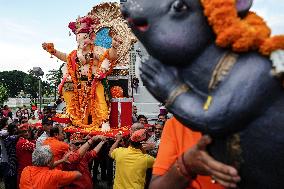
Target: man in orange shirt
x=182 y=162
x=40 y=175
x=58 y=147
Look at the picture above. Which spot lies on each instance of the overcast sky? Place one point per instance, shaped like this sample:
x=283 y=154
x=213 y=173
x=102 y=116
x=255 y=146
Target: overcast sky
x=25 y=24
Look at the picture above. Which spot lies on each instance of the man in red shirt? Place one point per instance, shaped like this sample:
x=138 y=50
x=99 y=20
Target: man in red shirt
x=24 y=150
x=58 y=147
x=80 y=158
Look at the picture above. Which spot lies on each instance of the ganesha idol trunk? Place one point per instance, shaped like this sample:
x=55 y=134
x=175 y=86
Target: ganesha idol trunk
x=121 y=112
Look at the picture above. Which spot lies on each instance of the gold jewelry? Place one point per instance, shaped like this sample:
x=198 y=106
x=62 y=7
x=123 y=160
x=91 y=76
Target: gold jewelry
x=175 y=93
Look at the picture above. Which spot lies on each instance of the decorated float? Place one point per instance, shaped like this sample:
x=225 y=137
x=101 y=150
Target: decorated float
x=96 y=101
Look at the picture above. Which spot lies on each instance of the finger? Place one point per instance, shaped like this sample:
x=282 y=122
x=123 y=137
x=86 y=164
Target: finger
x=225 y=177
x=148 y=82
x=146 y=78
x=203 y=142
x=149 y=76
x=153 y=63
x=149 y=69
x=226 y=184
x=217 y=166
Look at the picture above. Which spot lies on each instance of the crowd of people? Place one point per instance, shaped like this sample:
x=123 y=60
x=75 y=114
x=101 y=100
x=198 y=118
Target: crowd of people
x=163 y=155
x=34 y=156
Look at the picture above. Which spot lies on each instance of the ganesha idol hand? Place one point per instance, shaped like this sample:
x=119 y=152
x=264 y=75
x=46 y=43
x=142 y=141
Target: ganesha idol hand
x=49 y=47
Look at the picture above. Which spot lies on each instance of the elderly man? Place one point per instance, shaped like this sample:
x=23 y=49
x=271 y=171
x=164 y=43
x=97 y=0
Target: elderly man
x=131 y=162
x=41 y=176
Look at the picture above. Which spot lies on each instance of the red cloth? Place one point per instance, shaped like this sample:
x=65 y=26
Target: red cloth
x=43 y=178
x=24 y=150
x=5 y=113
x=125 y=116
x=81 y=165
x=58 y=148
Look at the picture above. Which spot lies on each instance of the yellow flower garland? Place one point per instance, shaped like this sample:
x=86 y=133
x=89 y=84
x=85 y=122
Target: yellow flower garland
x=249 y=33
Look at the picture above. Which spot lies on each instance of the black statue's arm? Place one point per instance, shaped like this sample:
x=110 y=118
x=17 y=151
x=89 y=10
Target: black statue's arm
x=243 y=93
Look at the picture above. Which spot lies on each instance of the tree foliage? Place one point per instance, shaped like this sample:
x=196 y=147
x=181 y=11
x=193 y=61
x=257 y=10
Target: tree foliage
x=3 y=93
x=54 y=76
x=16 y=81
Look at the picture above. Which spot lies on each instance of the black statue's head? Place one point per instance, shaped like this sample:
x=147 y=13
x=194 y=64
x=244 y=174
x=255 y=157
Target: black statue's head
x=173 y=31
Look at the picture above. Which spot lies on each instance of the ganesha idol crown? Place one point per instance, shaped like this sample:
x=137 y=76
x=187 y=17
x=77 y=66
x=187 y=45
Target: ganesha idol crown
x=84 y=24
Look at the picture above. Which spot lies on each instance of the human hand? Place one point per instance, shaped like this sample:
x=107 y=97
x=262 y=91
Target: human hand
x=97 y=137
x=118 y=137
x=66 y=156
x=102 y=142
x=201 y=163
x=148 y=145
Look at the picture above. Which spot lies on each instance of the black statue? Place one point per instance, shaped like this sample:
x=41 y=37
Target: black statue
x=246 y=114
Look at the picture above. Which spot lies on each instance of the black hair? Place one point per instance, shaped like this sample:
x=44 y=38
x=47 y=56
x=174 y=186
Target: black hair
x=166 y=116
x=142 y=116
x=136 y=145
x=160 y=122
x=11 y=128
x=24 y=120
x=3 y=122
x=10 y=114
x=54 y=130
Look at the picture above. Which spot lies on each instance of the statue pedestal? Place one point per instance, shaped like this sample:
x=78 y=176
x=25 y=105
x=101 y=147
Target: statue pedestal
x=121 y=112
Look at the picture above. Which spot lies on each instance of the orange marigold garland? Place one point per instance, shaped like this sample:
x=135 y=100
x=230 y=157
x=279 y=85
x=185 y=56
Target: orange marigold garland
x=75 y=99
x=249 y=33
x=116 y=92
x=85 y=96
x=272 y=44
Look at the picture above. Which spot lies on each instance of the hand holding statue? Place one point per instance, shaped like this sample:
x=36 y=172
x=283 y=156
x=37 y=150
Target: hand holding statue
x=199 y=162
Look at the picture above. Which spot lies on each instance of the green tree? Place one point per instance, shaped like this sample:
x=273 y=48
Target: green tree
x=54 y=76
x=34 y=89
x=15 y=81
x=3 y=93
